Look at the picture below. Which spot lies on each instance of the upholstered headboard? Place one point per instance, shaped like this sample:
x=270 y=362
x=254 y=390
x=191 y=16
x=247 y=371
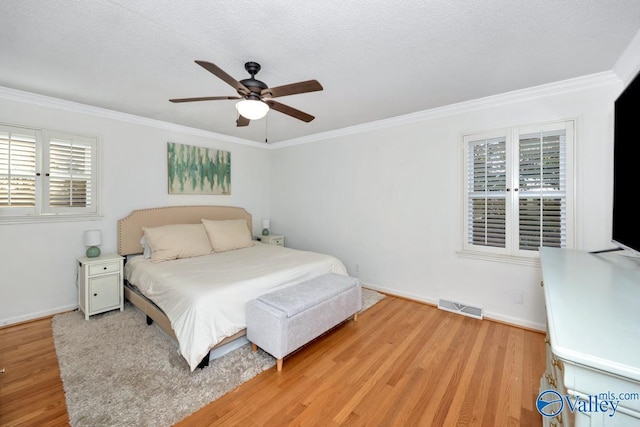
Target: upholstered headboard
x=130 y=227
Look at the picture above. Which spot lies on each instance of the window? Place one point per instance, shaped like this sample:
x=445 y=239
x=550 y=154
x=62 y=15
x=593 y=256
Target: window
x=46 y=173
x=518 y=191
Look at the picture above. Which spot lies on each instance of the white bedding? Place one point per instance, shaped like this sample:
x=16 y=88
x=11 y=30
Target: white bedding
x=205 y=297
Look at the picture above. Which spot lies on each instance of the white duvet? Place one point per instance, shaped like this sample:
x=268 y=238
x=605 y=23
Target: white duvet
x=205 y=297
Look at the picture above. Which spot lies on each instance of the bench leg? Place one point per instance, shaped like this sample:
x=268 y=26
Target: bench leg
x=279 y=365
x=254 y=347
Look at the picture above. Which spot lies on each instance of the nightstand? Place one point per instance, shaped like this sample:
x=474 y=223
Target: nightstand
x=100 y=284
x=272 y=239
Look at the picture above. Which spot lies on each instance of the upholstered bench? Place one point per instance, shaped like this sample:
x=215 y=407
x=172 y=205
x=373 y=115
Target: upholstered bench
x=284 y=320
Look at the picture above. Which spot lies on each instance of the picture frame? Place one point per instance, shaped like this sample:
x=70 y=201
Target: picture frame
x=198 y=170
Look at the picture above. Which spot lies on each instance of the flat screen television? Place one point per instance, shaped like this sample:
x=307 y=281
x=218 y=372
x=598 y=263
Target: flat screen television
x=626 y=168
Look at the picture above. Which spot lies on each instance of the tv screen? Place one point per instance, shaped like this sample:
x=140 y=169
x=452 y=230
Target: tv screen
x=626 y=167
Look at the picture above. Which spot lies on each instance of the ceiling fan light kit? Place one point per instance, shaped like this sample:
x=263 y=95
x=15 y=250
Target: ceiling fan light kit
x=256 y=98
x=252 y=109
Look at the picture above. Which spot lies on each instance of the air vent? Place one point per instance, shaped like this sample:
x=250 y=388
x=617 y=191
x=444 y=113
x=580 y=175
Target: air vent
x=460 y=308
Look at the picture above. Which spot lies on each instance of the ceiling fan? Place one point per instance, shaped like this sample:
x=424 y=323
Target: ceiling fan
x=256 y=97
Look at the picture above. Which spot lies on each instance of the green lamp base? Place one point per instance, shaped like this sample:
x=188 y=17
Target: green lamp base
x=93 y=251
x=265 y=231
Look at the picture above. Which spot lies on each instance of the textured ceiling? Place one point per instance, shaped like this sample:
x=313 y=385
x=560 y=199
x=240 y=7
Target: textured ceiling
x=376 y=58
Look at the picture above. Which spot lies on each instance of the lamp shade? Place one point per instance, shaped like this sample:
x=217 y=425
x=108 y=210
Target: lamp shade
x=252 y=109
x=92 y=238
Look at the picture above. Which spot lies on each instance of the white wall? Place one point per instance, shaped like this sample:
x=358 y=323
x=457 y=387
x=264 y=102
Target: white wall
x=385 y=201
x=388 y=202
x=37 y=261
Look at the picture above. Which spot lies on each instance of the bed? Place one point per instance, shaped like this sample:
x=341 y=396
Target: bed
x=200 y=299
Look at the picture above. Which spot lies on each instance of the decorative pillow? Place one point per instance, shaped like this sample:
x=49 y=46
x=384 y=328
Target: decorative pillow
x=175 y=241
x=146 y=249
x=229 y=234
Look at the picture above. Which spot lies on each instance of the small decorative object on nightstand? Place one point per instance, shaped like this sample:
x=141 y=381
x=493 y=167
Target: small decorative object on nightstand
x=93 y=239
x=100 y=284
x=273 y=239
x=266 y=224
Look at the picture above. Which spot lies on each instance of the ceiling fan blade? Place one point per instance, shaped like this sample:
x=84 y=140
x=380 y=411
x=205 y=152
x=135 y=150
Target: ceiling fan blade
x=290 y=111
x=242 y=121
x=292 y=89
x=221 y=74
x=204 y=98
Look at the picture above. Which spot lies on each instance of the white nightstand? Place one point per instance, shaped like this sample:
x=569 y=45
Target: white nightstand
x=272 y=239
x=100 y=284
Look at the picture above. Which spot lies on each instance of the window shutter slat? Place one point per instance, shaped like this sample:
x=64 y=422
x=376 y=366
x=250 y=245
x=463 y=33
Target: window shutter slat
x=17 y=168
x=542 y=190
x=70 y=169
x=486 y=187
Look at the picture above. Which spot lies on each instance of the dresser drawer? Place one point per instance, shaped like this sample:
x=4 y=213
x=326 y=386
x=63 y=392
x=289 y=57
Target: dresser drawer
x=104 y=268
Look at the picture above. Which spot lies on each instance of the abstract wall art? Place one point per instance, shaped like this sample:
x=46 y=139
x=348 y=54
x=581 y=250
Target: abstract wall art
x=198 y=170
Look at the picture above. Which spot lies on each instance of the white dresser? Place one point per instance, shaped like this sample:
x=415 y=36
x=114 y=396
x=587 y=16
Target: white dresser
x=593 y=338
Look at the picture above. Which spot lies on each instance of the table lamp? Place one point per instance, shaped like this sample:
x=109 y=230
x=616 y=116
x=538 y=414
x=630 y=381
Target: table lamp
x=93 y=239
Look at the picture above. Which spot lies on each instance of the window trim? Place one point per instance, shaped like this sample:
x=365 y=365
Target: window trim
x=512 y=253
x=44 y=214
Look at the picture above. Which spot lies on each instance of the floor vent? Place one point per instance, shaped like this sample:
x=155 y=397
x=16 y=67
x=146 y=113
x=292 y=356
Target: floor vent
x=456 y=307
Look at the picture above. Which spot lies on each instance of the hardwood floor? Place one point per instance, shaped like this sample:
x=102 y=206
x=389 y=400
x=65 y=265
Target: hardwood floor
x=402 y=364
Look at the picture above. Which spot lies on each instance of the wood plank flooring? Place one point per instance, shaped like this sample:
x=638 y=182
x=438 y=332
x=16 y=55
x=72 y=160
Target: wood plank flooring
x=402 y=364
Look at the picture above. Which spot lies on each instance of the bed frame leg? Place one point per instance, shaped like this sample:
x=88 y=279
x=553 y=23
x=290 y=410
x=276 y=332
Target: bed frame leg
x=279 y=365
x=254 y=347
x=149 y=321
x=355 y=317
x=204 y=362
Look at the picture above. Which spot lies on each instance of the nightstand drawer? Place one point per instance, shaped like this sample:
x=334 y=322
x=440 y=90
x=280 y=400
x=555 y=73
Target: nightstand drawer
x=272 y=239
x=277 y=241
x=104 y=268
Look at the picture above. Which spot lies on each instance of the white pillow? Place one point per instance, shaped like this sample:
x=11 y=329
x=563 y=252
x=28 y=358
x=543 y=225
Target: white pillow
x=176 y=241
x=229 y=234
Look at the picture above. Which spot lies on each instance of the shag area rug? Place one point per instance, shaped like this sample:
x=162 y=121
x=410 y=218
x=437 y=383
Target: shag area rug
x=117 y=371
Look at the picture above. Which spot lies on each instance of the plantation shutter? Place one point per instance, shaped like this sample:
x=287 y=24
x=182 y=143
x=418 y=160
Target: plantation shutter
x=486 y=185
x=17 y=170
x=71 y=174
x=542 y=190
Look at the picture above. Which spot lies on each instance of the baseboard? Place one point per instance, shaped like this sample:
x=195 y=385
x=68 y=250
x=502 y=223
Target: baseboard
x=488 y=315
x=12 y=321
x=513 y=321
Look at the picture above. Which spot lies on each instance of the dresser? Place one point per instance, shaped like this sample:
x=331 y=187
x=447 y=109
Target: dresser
x=592 y=375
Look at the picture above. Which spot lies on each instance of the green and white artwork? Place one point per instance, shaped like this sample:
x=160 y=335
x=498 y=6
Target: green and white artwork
x=198 y=170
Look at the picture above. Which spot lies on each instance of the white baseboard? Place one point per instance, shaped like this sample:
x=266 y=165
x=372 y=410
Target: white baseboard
x=490 y=315
x=37 y=315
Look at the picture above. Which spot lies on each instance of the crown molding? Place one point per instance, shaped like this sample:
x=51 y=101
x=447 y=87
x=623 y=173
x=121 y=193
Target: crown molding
x=556 y=88
x=76 y=107
x=536 y=92
x=628 y=63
